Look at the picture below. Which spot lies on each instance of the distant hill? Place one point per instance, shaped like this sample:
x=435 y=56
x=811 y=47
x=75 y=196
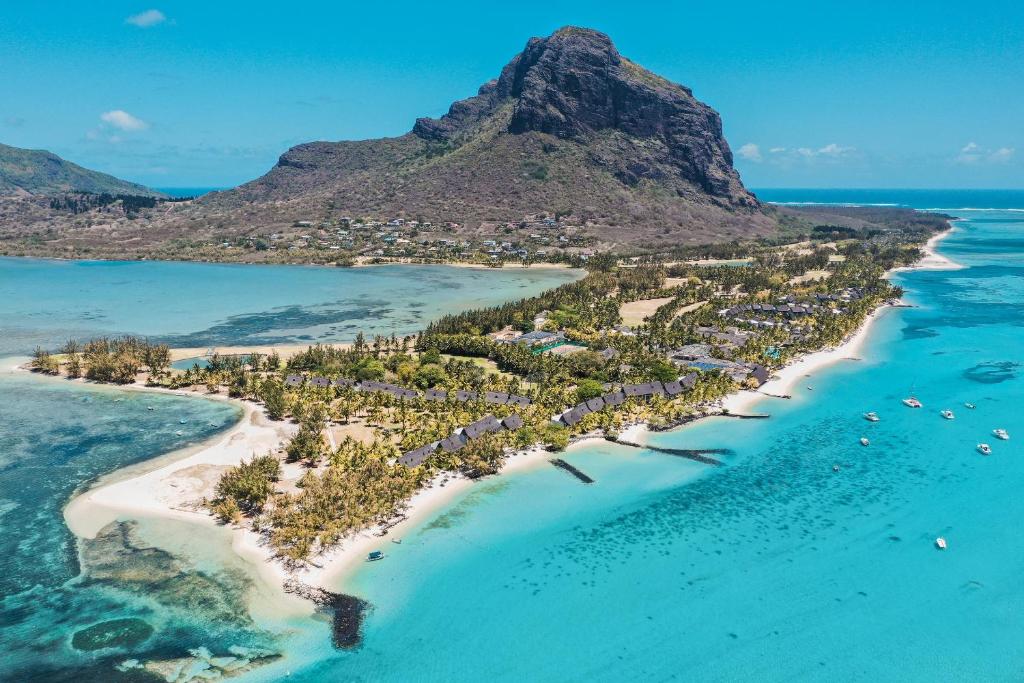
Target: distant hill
x=570 y=126
x=38 y=172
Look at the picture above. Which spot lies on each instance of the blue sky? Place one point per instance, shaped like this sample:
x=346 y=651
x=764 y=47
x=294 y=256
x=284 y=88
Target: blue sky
x=811 y=94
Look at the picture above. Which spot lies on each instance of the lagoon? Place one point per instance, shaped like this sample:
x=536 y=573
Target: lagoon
x=44 y=302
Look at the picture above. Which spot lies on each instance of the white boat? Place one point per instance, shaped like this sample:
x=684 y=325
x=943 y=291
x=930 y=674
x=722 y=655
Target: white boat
x=940 y=543
x=1001 y=434
x=871 y=417
x=864 y=441
x=912 y=402
x=984 y=449
x=948 y=414
x=969 y=405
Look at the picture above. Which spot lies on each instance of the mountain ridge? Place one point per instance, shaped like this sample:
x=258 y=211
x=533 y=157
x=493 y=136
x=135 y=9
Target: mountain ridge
x=569 y=126
x=40 y=172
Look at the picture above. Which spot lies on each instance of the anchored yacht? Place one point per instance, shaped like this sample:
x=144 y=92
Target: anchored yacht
x=984 y=449
x=948 y=414
x=1001 y=434
x=864 y=441
x=871 y=417
x=912 y=402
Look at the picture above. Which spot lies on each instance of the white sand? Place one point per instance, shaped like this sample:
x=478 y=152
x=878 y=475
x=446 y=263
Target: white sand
x=331 y=569
x=174 y=490
x=932 y=259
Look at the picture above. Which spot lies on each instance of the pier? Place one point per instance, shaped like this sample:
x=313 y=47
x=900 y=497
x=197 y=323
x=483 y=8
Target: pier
x=698 y=455
x=561 y=464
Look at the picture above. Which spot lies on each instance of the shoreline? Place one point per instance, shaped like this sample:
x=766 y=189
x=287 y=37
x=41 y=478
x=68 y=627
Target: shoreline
x=159 y=493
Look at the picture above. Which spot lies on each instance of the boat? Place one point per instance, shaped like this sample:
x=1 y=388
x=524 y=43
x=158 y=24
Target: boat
x=948 y=414
x=864 y=441
x=871 y=417
x=182 y=421
x=835 y=468
x=940 y=543
x=984 y=449
x=969 y=406
x=374 y=556
x=150 y=408
x=911 y=402
x=396 y=540
x=1001 y=434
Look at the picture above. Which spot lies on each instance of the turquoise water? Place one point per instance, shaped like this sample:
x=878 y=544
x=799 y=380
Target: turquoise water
x=774 y=567
x=56 y=437
x=45 y=302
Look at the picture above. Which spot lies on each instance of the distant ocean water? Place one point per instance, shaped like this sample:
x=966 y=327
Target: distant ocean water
x=181 y=192
x=948 y=200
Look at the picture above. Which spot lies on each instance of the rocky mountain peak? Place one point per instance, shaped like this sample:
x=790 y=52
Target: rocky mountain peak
x=574 y=84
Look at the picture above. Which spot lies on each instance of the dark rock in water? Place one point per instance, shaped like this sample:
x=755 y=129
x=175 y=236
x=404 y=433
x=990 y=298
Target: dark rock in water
x=992 y=372
x=347 y=611
x=123 y=633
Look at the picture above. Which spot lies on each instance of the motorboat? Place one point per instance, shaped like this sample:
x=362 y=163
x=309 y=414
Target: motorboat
x=1001 y=434
x=940 y=543
x=948 y=414
x=984 y=449
x=374 y=556
x=969 y=406
x=864 y=441
x=871 y=417
x=911 y=402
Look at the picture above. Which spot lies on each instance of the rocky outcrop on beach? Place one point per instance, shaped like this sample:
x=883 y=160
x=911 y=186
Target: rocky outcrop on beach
x=346 y=611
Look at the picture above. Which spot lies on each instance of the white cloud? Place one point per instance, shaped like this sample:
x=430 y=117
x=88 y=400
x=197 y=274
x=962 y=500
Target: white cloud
x=788 y=157
x=969 y=154
x=750 y=152
x=972 y=153
x=835 y=151
x=150 y=17
x=122 y=120
x=1001 y=155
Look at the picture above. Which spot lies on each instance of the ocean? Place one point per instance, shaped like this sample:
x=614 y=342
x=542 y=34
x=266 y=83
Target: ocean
x=776 y=566
x=773 y=567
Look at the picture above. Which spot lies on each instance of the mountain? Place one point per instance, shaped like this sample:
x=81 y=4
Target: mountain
x=570 y=126
x=38 y=172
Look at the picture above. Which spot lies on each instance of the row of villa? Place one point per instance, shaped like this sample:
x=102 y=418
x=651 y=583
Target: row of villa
x=438 y=395
x=616 y=398
x=461 y=437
